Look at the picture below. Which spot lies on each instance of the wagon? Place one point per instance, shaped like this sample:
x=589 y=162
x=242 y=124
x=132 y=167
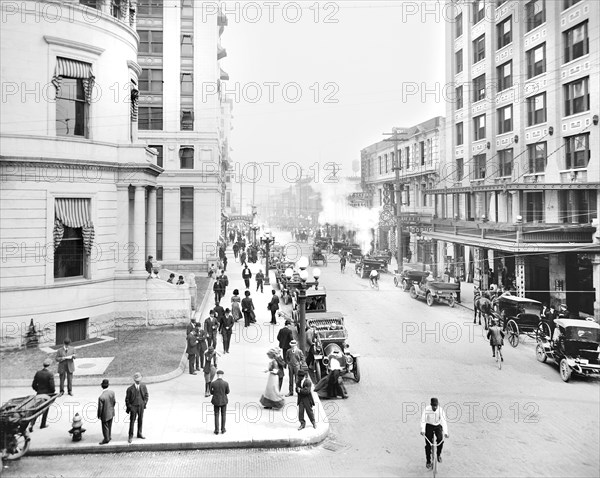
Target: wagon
x=577 y=350
x=519 y=315
x=331 y=345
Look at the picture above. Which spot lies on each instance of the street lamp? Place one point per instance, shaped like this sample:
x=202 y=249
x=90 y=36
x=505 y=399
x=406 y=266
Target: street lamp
x=302 y=285
x=254 y=228
x=267 y=239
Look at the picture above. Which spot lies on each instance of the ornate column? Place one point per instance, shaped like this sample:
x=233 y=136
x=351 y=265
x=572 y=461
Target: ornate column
x=139 y=230
x=520 y=275
x=121 y=248
x=151 y=223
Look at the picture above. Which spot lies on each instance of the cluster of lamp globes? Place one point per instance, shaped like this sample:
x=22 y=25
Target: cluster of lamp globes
x=302 y=264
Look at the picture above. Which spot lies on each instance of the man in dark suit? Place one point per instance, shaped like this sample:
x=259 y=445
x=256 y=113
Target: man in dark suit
x=305 y=400
x=246 y=275
x=211 y=326
x=219 y=311
x=218 y=289
x=294 y=358
x=192 y=351
x=191 y=326
x=106 y=411
x=43 y=384
x=136 y=400
x=219 y=389
x=285 y=336
x=66 y=366
x=202 y=346
x=274 y=306
x=226 y=328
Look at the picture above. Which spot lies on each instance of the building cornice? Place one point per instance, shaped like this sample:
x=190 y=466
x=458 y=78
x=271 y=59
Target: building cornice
x=74 y=45
x=137 y=69
x=514 y=187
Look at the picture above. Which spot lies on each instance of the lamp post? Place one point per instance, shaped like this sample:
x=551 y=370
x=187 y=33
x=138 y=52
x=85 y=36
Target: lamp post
x=302 y=285
x=254 y=228
x=267 y=239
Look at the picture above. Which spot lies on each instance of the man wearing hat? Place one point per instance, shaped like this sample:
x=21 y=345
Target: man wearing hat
x=43 y=384
x=219 y=389
x=149 y=265
x=106 y=411
x=294 y=358
x=192 y=350
x=305 y=400
x=66 y=366
x=285 y=336
x=433 y=422
x=191 y=326
x=211 y=326
x=136 y=400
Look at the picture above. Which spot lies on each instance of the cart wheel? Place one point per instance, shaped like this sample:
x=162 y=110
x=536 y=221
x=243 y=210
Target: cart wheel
x=18 y=445
x=356 y=371
x=395 y=282
x=540 y=354
x=413 y=292
x=451 y=301
x=317 y=370
x=543 y=331
x=513 y=333
x=565 y=370
x=430 y=299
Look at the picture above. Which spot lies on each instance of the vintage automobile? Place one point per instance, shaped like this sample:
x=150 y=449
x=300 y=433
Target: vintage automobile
x=434 y=291
x=331 y=345
x=408 y=277
x=364 y=267
x=318 y=255
x=337 y=246
x=577 y=350
x=354 y=254
x=322 y=244
x=316 y=302
x=518 y=315
x=381 y=255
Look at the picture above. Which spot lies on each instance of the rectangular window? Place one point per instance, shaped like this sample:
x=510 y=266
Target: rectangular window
x=478 y=11
x=505 y=122
x=479 y=49
x=151 y=8
x=151 y=41
x=422 y=150
x=115 y=8
x=159 y=158
x=504 y=30
x=407 y=156
x=187 y=120
x=536 y=109
x=187 y=84
x=537 y=155
x=458 y=25
x=479 y=166
x=159 y=222
x=479 y=127
x=504 y=76
x=577 y=151
x=459 y=97
x=460 y=169
x=534 y=202
x=536 y=61
x=380 y=197
x=387 y=164
x=479 y=88
x=187 y=9
x=459 y=60
x=569 y=3
x=186 y=158
x=380 y=165
x=71 y=108
x=576 y=42
x=186 y=238
x=577 y=96
x=150 y=118
x=535 y=13
x=407 y=195
x=459 y=134
x=505 y=162
x=151 y=81
x=187 y=46
x=69 y=256
x=90 y=3
x=578 y=207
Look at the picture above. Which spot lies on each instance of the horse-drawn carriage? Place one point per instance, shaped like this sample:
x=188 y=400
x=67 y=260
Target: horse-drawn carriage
x=331 y=346
x=16 y=416
x=318 y=256
x=519 y=315
x=322 y=243
x=364 y=267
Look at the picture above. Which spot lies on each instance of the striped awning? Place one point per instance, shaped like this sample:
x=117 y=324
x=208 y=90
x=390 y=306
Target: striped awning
x=135 y=94
x=67 y=68
x=221 y=52
x=224 y=75
x=74 y=213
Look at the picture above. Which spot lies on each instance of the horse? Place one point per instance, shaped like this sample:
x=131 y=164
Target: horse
x=482 y=305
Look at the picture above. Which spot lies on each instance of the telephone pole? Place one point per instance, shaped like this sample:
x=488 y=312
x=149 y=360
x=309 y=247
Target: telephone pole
x=396 y=167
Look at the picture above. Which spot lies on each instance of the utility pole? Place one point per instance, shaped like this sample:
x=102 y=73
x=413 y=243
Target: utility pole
x=398 y=191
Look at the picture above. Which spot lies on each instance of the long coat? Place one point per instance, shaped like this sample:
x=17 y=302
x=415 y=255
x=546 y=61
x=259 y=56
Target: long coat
x=106 y=405
x=219 y=390
x=192 y=344
x=43 y=382
x=496 y=335
x=65 y=365
x=305 y=394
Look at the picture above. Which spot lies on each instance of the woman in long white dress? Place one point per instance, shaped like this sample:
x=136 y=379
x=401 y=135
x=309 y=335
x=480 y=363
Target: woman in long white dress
x=236 y=308
x=272 y=398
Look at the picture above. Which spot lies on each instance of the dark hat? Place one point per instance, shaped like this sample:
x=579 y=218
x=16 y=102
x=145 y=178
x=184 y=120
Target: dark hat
x=434 y=401
x=67 y=341
x=301 y=373
x=220 y=372
x=288 y=322
x=47 y=362
x=293 y=343
x=105 y=383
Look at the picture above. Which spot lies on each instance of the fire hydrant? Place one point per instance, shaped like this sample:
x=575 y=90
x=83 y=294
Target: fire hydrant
x=77 y=430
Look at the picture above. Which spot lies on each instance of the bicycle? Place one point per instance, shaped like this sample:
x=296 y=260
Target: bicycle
x=375 y=284
x=434 y=446
x=499 y=357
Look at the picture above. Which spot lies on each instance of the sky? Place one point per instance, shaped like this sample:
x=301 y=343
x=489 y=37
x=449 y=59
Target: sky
x=342 y=74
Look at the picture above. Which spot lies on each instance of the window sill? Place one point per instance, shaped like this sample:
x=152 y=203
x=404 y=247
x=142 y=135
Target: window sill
x=534 y=28
x=574 y=115
x=574 y=60
x=537 y=125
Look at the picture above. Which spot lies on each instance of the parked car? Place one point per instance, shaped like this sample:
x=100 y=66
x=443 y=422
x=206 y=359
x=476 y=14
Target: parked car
x=577 y=350
x=408 y=277
x=434 y=291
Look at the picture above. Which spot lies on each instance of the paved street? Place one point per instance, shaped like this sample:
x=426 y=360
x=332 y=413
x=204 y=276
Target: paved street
x=518 y=421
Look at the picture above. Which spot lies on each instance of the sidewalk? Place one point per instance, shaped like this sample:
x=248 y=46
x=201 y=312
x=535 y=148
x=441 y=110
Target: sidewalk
x=178 y=416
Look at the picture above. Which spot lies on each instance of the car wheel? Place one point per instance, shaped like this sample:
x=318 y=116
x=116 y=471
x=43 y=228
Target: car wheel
x=543 y=331
x=565 y=370
x=430 y=299
x=451 y=301
x=540 y=354
x=413 y=292
x=356 y=371
x=395 y=282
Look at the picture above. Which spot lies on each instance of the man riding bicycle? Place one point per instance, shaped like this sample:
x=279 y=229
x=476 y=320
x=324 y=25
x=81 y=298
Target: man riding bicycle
x=496 y=336
x=374 y=278
x=433 y=422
